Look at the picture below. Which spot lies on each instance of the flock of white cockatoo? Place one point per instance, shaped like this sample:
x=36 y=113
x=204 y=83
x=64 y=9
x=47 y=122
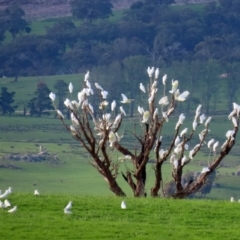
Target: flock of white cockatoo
x=6 y=204
x=146 y=117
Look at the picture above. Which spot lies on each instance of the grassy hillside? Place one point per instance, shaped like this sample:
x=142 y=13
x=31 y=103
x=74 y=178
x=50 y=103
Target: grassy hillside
x=102 y=218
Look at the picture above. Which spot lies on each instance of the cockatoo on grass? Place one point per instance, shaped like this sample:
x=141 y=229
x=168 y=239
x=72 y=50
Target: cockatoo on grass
x=12 y=210
x=123 y=205
x=36 y=193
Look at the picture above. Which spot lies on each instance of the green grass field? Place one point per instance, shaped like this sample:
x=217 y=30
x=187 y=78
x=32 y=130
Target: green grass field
x=42 y=217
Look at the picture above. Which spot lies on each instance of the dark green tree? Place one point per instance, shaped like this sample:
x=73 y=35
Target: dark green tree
x=41 y=103
x=6 y=101
x=91 y=10
x=3 y=27
x=61 y=32
x=15 y=22
x=61 y=92
x=159 y=2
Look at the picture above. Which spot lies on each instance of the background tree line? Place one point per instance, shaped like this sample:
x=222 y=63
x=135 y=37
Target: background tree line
x=196 y=46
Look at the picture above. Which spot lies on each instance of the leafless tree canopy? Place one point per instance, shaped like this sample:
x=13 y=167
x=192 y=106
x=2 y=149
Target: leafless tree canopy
x=97 y=131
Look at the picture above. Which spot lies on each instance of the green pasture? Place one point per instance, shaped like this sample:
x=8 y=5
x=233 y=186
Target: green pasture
x=42 y=217
x=194 y=7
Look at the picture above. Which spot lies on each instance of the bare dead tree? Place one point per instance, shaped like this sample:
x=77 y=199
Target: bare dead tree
x=99 y=136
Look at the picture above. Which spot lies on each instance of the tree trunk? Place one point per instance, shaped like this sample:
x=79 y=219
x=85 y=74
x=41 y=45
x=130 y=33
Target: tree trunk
x=16 y=78
x=158 y=175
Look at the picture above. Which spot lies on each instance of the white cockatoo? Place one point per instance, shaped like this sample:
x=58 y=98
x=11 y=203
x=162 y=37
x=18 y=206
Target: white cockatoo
x=70 y=87
x=210 y=143
x=68 y=104
x=163 y=101
x=183 y=132
x=125 y=99
x=12 y=210
x=60 y=115
x=180 y=121
x=230 y=134
x=104 y=94
x=69 y=206
x=103 y=104
x=52 y=96
x=205 y=169
x=202 y=118
x=5 y=194
x=142 y=88
x=194 y=125
x=150 y=71
x=183 y=160
x=208 y=121
x=88 y=84
x=183 y=96
x=177 y=141
x=122 y=111
x=98 y=86
x=36 y=193
x=123 y=205
x=175 y=164
x=145 y=117
x=155 y=113
x=87 y=75
x=112 y=138
x=67 y=211
x=113 y=105
x=215 y=145
x=174 y=86
x=7 y=203
x=191 y=154
x=164 y=79
x=117 y=119
x=140 y=110
x=157 y=73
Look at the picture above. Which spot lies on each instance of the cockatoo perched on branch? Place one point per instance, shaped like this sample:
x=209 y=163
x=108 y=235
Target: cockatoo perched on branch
x=104 y=94
x=113 y=105
x=112 y=138
x=52 y=96
x=174 y=86
x=145 y=117
x=142 y=88
x=98 y=86
x=150 y=71
x=122 y=111
x=164 y=101
x=86 y=77
x=70 y=87
x=164 y=79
